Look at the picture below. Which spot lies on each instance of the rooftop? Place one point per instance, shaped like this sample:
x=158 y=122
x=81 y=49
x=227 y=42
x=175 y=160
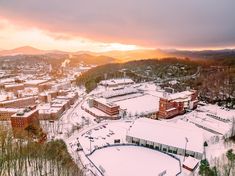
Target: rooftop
x=24 y=113
x=167 y=133
x=35 y=82
x=14 y=110
x=115 y=93
x=112 y=82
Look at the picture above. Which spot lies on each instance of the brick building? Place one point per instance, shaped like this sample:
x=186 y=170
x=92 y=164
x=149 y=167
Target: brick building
x=14 y=87
x=168 y=108
x=25 y=124
x=175 y=104
x=108 y=108
x=50 y=113
x=6 y=113
x=44 y=87
x=18 y=103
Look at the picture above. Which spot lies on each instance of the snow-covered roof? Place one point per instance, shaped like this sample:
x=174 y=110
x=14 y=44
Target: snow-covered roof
x=190 y=162
x=143 y=104
x=59 y=102
x=13 y=85
x=113 y=82
x=13 y=110
x=218 y=111
x=181 y=95
x=120 y=92
x=18 y=99
x=3 y=97
x=167 y=133
x=49 y=111
x=24 y=114
x=35 y=82
x=7 y=80
x=208 y=122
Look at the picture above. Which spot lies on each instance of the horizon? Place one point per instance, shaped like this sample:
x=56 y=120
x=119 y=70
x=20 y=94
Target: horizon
x=137 y=49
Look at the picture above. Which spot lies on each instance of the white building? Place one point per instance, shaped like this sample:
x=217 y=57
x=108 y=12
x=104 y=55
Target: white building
x=166 y=137
x=116 y=82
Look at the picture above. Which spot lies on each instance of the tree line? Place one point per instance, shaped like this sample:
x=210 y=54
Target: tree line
x=28 y=158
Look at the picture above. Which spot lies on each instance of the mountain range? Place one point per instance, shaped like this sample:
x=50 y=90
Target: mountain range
x=123 y=56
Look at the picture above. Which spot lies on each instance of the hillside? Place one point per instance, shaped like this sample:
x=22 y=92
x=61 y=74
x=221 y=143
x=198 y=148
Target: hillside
x=90 y=59
x=56 y=59
x=27 y=50
x=141 y=70
x=98 y=58
x=215 y=80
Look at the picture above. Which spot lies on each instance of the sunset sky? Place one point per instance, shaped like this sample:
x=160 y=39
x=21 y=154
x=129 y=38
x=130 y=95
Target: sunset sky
x=103 y=25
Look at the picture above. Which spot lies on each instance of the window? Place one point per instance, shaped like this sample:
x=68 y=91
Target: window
x=156 y=147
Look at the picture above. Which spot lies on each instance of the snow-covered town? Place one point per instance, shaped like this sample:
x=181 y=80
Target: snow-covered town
x=117 y=88
x=120 y=125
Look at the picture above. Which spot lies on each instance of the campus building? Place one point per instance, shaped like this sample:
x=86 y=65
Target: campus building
x=166 y=137
x=116 y=82
x=6 y=113
x=14 y=87
x=18 y=103
x=25 y=123
x=54 y=108
x=174 y=104
x=109 y=108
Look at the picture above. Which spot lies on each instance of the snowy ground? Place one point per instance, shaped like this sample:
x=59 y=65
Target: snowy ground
x=128 y=160
x=100 y=135
x=140 y=105
x=133 y=160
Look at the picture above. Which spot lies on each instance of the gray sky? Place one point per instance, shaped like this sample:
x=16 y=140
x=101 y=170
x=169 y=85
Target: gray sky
x=153 y=23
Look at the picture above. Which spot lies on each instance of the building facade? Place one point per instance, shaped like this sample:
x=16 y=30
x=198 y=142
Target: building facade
x=166 y=137
x=6 y=113
x=176 y=104
x=110 y=109
x=25 y=124
x=18 y=103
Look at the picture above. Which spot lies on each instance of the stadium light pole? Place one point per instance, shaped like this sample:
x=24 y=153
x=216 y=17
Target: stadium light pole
x=90 y=138
x=90 y=144
x=186 y=141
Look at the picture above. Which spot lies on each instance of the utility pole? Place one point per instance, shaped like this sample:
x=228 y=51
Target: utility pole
x=186 y=141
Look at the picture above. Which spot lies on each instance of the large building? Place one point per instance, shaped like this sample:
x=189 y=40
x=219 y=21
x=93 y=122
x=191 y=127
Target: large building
x=169 y=108
x=6 y=113
x=174 y=104
x=55 y=108
x=166 y=137
x=35 y=83
x=14 y=87
x=116 y=82
x=141 y=100
x=46 y=112
x=109 y=108
x=18 y=103
x=25 y=124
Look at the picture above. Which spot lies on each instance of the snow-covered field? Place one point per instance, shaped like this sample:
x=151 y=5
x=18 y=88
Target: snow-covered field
x=143 y=104
x=134 y=160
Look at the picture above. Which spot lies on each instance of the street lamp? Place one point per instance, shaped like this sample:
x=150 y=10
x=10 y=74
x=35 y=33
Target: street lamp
x=186 y=141
x=90 y=138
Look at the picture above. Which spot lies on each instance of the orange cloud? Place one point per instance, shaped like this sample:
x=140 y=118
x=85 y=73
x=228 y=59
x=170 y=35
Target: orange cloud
x=19 y=34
